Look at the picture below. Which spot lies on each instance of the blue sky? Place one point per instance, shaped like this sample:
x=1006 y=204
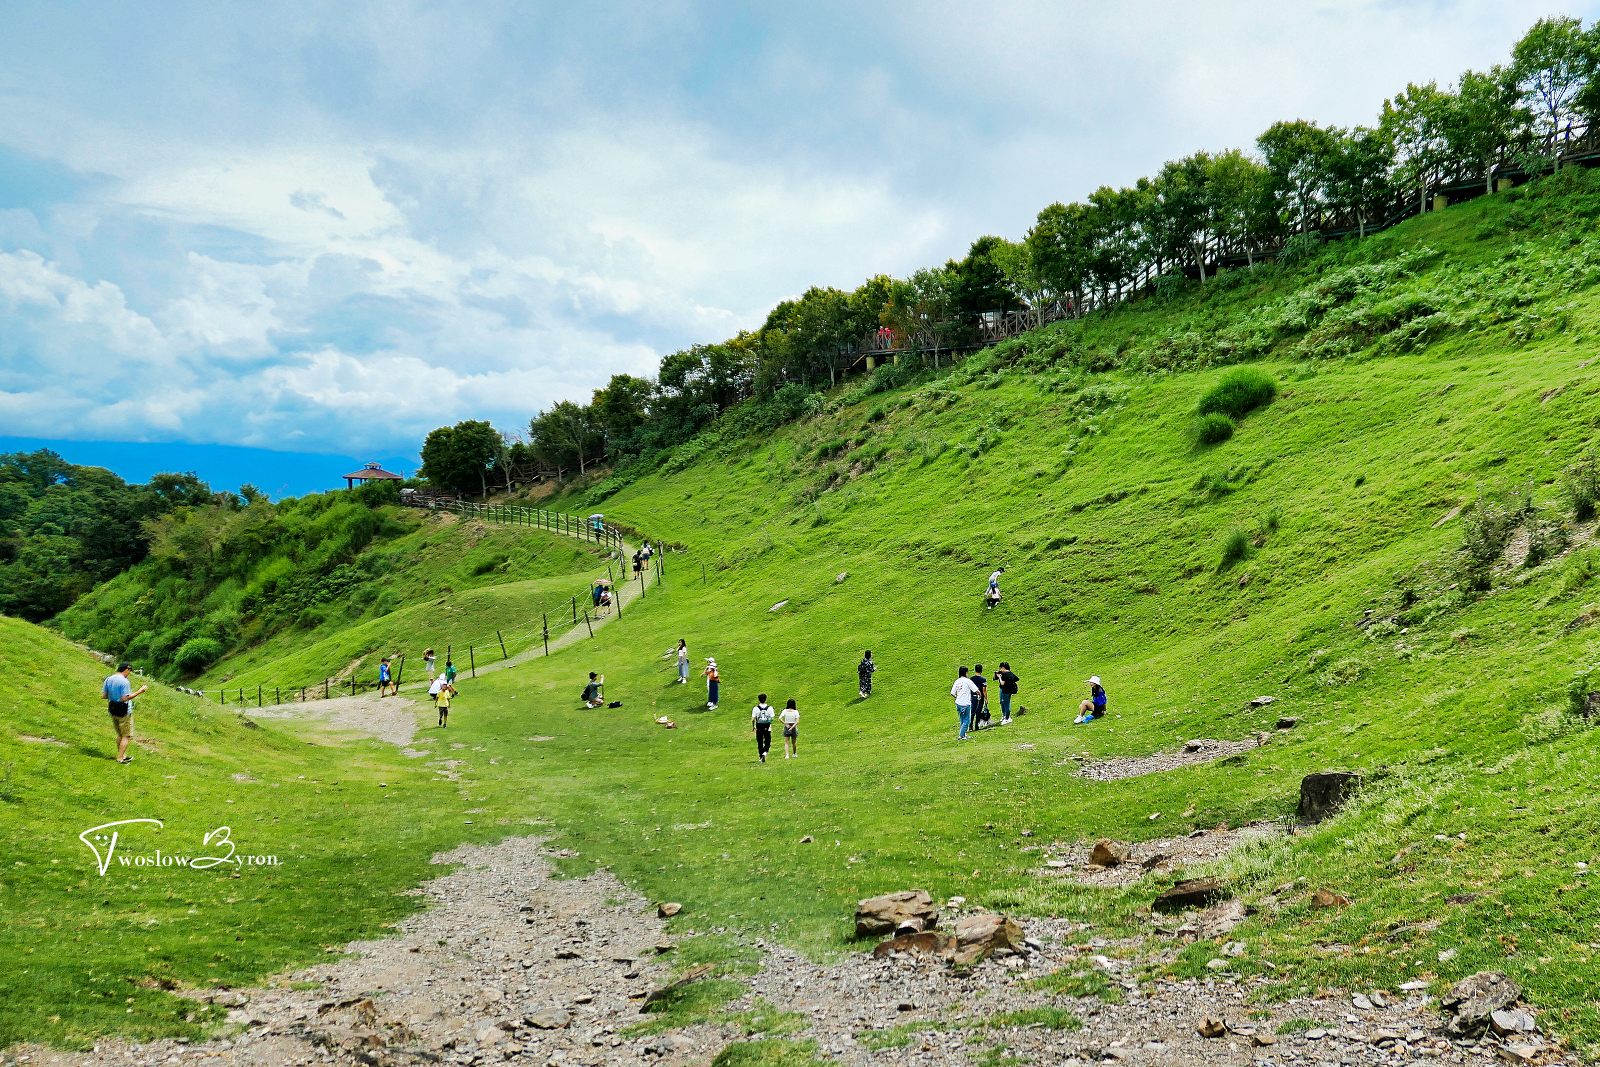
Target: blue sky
x=331 y=227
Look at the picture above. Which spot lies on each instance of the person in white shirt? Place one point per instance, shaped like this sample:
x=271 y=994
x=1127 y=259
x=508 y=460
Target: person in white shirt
x=790 y=717
x=761 y=717
x=991 y=595
x=963 y=690
x=683 y=662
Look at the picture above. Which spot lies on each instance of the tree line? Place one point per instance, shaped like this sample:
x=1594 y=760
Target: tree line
x=1301 y=181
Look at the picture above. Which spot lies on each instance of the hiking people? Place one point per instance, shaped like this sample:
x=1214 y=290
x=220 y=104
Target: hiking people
x=441 y=700
x=713 y=683
x=963 y=690
x=593 y=696
x=1095 y=706
x=991 y=595
x=429 y=662
x=434 y=687
x=120 y=693
x=638 y=561
x=864 y=672
x=602 y=596
x=1008 y=689
x=450 y=670
x=383 y=678
x=790 y=717
x=683 y=661
x=980 y=702
x=761 y=717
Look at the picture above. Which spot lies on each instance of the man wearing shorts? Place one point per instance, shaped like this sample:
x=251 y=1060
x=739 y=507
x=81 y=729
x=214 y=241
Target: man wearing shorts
x=120 y=693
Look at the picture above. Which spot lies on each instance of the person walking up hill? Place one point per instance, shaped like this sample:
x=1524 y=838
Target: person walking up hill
x=761 y=717
x=790 y=718
x=864 y=672
x=119 y=693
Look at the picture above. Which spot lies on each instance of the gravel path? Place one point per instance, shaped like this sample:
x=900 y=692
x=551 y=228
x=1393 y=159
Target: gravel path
x=508 y=963
x=1202 y=750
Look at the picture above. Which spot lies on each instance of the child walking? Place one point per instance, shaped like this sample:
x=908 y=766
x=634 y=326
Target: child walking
x=791 y=730
x=446 y=693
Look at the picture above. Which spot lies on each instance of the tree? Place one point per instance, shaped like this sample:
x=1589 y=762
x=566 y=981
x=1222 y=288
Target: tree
x=1414 y=121
x=621 y=408
x=460 y=457
x=1299 y=155
x=1061 y=248
x=1358 y=174
x=1552 y=65
x=1486 y=121
x=1240 y=192
x=566 y=434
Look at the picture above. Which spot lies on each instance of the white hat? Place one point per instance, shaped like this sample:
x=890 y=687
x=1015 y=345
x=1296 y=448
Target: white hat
x=711 y=660
x=1095 y=680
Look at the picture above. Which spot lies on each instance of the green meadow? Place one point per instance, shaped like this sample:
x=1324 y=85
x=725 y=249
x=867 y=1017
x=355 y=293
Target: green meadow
x=1390 y=548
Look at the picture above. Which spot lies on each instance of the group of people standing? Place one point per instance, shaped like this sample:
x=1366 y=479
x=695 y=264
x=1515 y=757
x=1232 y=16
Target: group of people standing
x=971 y=693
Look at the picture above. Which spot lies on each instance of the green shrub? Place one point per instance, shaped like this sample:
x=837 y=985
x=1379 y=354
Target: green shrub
x=1584 y=684
x=1582 y=484
x=1300 y=248
x=1486 y=530
x=196 y=654
x=1240 y=392
x=1234 y=549
x=1211 y=429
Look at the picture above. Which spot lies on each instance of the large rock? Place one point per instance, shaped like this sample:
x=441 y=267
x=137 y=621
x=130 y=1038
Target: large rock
x=1219 y=919
x=986 y=934
x=1193 y=893
x=1108 y=854
x=927 y=943
x=1473 y=1001
x=1325 y=792
x=906 y=912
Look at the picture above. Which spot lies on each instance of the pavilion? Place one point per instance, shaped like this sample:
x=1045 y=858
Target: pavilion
x=370 y=473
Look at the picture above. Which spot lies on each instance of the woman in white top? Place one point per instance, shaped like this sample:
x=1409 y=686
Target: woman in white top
x=683 y=662
x=790 y=718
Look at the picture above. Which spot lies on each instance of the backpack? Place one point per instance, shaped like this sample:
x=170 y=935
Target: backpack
x=765 y=715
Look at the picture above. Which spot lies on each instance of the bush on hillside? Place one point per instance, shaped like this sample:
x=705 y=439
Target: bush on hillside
x=1300 y=248
x=1486 y=530
x=1584 y=684
x=195 y=655
x=1240 y=392
x=1212 y=429
x=1234 y=549
x=1582 y=484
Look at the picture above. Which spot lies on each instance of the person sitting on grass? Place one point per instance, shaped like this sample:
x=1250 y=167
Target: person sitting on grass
x=1095 y=707
x=120 y=693
x=593 y=697
x=442 y=699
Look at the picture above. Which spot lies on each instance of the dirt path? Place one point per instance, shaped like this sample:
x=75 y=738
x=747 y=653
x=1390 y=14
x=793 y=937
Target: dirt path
x=510 y=963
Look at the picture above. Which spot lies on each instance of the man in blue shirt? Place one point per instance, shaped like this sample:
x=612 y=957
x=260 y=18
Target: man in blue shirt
x=120 y=693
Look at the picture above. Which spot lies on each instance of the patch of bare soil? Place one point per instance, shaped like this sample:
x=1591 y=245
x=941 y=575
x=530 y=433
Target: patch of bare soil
x=1162 y=854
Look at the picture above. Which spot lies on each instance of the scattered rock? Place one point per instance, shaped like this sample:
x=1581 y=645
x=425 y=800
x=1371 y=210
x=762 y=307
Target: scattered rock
x=1261 y=702
x=1212 y=1027
x=1512 y=1021
x=778 y=605
x=924 y=943
x=1108 y=853
x=1316 y=1035
x=549 y=1019
x=1219 y=920
x=838 y=579
x=1193 y=746
x=986 y=934
x=1288 y=722
x=908 y=911
x=1191 y=893
x=806 y=840
x=1327 y=898
x=669 y=909
x=1361 y=1002
x=1323 y=793
x=1262 y=1038
x=1473 y=1001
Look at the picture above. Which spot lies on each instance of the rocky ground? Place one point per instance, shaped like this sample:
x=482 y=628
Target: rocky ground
x=508 y=963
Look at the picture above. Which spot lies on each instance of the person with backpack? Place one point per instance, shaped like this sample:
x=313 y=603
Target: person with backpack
x=119 y=694
x=593 y=693
x=442 y=700
x=1008 y=688
x=790 y=718
x=1095 y=707
x=761 y=717
x=713 y=684
x=963 y=691
x=980 y=702
x=864 y=671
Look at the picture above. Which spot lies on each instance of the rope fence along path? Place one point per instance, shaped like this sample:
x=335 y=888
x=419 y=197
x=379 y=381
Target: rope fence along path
x=469 y=655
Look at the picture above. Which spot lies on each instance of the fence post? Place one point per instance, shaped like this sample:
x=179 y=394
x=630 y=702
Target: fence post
x=658 y=577
x=277 y=695
x=503 y=653
x=547 y=635
x=587 y=623
x=399 y=669
x=327 y=684
x=574 y=611
x=302 y=694
x=241 y=694
x=702 y=574
x=258 y=696
x=472 y=661
x=353 y=685
x=222 y=696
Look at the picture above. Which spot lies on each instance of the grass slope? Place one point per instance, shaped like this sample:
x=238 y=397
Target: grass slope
x=352 y=826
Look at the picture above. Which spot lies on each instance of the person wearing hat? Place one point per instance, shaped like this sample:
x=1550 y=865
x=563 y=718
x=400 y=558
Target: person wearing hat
x=120 y=693
x=1095 y=707
x=712 y=683
x=594 y=692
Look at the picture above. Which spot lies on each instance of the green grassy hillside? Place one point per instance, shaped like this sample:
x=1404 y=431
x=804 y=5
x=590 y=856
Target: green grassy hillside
x=352 y=828
x=325 y=586
x=1434 y=384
